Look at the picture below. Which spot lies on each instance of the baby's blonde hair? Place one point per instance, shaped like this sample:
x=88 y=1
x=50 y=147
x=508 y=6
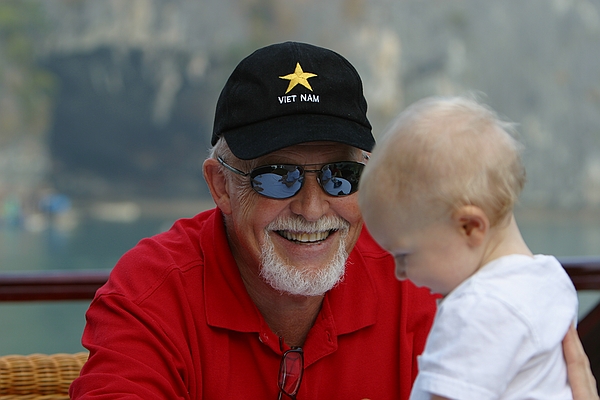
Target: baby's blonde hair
x=450 y=151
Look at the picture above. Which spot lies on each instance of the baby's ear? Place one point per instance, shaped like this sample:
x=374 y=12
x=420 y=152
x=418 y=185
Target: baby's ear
x=472 y=223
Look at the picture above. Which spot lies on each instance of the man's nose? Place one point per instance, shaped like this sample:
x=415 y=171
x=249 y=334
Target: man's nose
x=311 y=202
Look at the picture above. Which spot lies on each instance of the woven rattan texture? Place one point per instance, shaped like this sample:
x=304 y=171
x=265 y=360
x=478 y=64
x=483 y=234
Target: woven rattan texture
x=39 y=376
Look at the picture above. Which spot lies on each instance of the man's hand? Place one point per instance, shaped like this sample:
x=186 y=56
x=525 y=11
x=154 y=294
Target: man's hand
x=579 y=372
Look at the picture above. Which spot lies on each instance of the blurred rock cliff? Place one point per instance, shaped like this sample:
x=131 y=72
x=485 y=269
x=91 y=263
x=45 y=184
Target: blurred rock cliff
x=115 y=98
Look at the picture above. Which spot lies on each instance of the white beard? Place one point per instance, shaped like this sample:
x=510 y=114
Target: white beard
x=304 y=282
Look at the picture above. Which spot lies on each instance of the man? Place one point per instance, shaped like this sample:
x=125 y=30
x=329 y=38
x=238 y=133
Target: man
x=278 y=292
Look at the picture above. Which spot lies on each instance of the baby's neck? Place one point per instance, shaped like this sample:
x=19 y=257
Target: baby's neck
x=505 y=240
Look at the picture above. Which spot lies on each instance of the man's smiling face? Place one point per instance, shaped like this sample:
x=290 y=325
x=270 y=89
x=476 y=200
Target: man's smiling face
x=306 y=237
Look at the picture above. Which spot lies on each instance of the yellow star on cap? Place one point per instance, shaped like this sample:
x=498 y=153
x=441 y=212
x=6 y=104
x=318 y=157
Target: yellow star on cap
x=298 y=77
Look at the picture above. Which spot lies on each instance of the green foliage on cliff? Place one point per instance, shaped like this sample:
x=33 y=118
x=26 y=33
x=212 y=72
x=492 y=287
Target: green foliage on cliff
x=25 y=88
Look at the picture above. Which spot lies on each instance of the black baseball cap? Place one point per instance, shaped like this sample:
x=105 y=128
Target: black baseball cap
x=291 y=93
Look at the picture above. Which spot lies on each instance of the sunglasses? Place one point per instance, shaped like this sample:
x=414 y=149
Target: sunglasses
x=283 y=181
x=291 y=370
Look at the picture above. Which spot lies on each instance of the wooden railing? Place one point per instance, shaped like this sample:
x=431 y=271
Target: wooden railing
x=82 y=285
x=51 y=285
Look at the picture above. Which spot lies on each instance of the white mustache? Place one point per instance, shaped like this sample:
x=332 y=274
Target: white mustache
x=299 y=224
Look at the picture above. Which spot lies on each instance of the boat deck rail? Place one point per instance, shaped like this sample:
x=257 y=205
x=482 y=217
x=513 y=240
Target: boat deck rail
x=82 y=284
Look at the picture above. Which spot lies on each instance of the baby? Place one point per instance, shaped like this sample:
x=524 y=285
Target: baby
x=438 y=193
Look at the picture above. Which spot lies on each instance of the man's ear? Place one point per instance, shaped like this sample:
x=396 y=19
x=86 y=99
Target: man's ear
x=217 y=184
x=472 y=223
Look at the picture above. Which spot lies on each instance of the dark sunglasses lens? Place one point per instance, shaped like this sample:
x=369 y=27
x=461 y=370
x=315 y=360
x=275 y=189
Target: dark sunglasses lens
x=341 y=179
x=277 y=181
x=290 y=372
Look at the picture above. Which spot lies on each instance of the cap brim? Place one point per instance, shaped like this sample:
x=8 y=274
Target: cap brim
x=258 y=139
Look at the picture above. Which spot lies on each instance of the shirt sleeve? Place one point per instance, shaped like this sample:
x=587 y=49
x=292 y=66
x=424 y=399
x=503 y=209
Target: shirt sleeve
x=131 y=356
x=474 y=349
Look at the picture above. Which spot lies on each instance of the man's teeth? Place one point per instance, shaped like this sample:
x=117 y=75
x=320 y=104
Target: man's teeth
x=305 y=237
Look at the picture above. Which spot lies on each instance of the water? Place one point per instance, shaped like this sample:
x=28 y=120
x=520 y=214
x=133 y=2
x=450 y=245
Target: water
x=96 y=244
x=53 y=327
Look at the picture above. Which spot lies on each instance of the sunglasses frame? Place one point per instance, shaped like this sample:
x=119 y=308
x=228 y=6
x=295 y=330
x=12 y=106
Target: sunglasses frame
x=303 y=170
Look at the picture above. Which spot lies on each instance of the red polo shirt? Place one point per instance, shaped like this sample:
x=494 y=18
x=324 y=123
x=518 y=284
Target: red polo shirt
x=174 y=321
